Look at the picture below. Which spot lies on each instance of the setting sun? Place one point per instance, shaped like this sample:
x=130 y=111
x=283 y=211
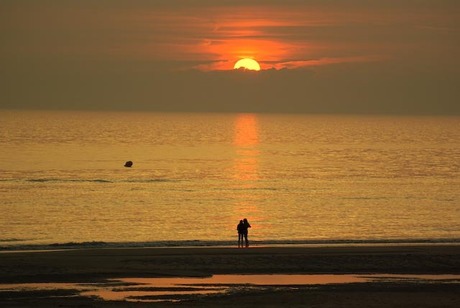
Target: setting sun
x=247 y=64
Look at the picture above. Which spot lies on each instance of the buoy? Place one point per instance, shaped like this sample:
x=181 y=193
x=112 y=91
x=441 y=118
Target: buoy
x=129 y=164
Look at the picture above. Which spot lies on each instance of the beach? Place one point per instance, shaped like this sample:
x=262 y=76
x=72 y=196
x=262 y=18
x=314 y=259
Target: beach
x=100 y=265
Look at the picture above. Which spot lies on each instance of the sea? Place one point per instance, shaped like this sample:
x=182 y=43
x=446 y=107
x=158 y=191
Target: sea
x=298 y=179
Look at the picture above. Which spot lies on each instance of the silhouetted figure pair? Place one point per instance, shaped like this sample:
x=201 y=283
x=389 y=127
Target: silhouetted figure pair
x=242 y=228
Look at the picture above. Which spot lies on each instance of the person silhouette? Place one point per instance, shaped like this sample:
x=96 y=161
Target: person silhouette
x=245 y=228
x=240 y=228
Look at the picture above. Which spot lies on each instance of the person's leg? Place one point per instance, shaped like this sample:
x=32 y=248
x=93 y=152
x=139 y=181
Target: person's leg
x=246 y=239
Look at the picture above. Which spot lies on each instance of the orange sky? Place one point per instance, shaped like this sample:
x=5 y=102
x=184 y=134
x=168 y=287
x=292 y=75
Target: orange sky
x=290 y=36
x=217 y=35
x=112 y=52
x=275 y=37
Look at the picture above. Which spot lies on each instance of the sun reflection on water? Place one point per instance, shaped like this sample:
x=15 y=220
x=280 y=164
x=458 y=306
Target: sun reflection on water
x=246 y=169
x=246 y=140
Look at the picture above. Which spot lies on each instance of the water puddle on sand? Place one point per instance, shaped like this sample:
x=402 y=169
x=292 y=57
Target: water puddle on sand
x=175 y=289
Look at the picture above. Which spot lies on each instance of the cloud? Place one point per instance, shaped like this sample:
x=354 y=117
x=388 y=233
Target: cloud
x=296 y=64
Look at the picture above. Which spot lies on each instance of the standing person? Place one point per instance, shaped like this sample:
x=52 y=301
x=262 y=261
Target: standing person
x=246 y=226
x=240 y=228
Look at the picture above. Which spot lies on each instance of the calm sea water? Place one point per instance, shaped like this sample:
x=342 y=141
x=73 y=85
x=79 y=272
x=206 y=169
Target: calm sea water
x=298 y=179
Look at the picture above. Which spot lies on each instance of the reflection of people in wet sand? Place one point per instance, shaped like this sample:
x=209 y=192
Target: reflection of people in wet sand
x=240 y=227
x=245 y=228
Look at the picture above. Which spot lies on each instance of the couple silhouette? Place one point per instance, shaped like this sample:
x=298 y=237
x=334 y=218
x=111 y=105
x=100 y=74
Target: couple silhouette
x=242 y=229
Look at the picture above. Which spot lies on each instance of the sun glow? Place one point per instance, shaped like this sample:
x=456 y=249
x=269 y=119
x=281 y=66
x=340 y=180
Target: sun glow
x=247 y=64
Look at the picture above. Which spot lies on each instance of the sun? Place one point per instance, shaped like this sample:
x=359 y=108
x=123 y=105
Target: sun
x=247 y=64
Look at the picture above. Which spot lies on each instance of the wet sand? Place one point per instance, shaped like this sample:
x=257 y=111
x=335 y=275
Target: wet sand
x=98 y=265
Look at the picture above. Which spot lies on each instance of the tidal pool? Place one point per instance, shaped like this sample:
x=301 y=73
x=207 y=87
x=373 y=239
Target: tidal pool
x=177 y=288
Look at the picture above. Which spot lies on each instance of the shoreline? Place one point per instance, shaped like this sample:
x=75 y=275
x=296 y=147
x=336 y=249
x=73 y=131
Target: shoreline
x=99 y=265
x=278 y=246
x=225 y=244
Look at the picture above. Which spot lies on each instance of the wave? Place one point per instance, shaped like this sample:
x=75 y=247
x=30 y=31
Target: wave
x=57 y=180
x=149 y=180
x=13 y=240
x=68 y=180
x=216 y=243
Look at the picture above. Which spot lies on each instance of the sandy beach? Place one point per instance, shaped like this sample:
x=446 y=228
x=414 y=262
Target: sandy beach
x=100 y=265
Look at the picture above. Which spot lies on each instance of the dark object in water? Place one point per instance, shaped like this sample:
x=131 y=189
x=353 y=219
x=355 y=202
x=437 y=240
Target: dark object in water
x=129 y=164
